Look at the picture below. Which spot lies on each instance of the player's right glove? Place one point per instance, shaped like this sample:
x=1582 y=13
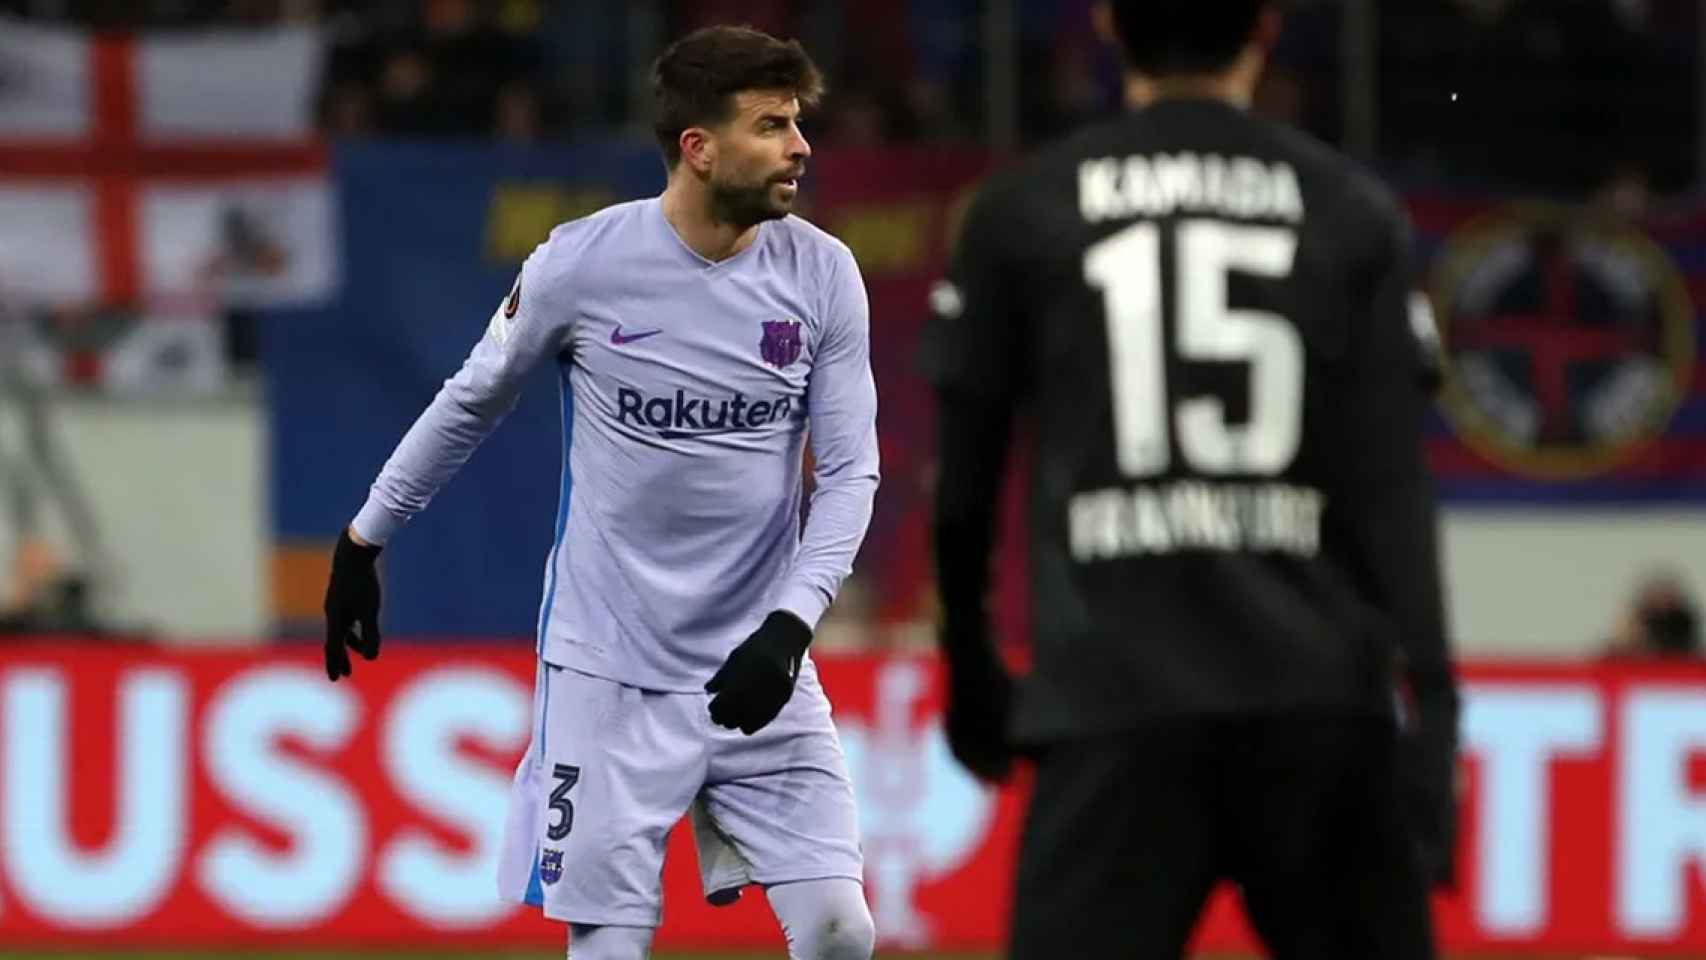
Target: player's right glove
x=980 y=699
x=1427 y=764
x=352 y=605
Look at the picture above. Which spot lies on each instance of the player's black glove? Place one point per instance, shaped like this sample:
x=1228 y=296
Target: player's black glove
x=757 y=679
x=980 y=698
x=1427 y=764
x=352 y=605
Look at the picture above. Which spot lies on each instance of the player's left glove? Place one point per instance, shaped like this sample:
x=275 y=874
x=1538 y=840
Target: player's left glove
x=757 y=679
x=1427 y=764
x=980 y=699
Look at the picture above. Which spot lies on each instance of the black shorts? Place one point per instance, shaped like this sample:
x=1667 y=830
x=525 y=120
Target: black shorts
x=1128 y=834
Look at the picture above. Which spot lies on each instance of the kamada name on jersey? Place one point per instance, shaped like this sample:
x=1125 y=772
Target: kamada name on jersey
x=1195 y=515
x=1243 y=188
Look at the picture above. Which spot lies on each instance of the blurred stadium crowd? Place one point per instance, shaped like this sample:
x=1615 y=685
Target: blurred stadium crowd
x=1503 y=91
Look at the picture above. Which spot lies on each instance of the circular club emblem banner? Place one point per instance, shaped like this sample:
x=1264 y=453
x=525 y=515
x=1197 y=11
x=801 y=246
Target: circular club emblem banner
x=1570 y=338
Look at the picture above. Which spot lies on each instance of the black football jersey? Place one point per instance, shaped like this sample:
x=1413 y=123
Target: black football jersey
x=1209 y=320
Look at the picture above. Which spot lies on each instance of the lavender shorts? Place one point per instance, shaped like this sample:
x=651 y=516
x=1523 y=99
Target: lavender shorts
x=612 y=768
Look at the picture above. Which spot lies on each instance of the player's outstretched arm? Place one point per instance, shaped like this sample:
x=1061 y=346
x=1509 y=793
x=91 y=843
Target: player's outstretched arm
x=1388 y=522
x=841 y=398
x=528 y=326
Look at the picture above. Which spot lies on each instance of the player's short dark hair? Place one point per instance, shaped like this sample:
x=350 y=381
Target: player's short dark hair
x=1163 y=37
x=695 y=80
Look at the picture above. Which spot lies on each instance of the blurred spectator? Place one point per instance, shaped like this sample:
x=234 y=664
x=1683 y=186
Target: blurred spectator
x=853 y=118
x=1302 y=85
x=1059 y=47
x=247 y=251
x=346 y=109
x=1662 y=621
x=586 y=63
x=517 y=117
x=941 y=43
x=468 y=63
x=405 y=103
x=43 y=589
x=449 y=68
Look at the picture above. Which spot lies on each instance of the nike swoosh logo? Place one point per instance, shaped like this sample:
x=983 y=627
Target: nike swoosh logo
x=619 y=338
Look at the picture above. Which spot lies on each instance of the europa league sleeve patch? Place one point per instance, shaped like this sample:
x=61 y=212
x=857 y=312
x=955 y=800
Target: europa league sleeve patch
x=498 y=330
x=514 y=302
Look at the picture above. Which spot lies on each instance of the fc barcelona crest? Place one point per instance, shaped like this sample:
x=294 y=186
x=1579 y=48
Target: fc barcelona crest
x=550 y=866
x=780 y=345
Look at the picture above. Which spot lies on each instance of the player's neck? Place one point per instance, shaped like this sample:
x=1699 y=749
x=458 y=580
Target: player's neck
x=1143 y=91
x=689 y=213
x=1236 y=85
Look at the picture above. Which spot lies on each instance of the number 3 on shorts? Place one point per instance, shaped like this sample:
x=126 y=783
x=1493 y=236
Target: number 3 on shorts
x=567 y=777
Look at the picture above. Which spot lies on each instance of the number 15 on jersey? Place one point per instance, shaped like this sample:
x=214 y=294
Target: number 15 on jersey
x=1126 y=267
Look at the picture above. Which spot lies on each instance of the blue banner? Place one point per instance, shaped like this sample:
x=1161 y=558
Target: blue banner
x=432 y=238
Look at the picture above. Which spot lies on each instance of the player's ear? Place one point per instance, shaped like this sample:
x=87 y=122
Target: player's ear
x=698 y=149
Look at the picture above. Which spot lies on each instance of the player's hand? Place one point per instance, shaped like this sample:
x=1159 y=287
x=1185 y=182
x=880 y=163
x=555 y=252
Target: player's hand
x=980 y=699
x=1428 y=772
x=757 y=679
x=352 y=605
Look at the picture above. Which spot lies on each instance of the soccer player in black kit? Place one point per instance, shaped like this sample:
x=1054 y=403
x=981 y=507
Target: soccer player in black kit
x=1240 y=668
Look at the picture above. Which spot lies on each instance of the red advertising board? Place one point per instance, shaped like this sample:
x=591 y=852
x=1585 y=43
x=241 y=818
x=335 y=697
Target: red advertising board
x=181 y=799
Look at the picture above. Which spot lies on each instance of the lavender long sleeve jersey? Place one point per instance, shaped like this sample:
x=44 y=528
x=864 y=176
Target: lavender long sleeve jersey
x=688 y=389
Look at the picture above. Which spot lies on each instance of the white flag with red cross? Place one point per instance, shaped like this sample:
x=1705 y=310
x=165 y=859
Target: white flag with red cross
x=170 y=172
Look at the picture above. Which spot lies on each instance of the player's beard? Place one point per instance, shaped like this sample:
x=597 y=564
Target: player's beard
x=745 y=204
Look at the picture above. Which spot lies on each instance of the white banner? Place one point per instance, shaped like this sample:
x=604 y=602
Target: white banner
x=44 y=81
x=136 y=169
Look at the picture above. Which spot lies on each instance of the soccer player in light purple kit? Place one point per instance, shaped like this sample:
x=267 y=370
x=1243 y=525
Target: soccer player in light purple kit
x=700 y=336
